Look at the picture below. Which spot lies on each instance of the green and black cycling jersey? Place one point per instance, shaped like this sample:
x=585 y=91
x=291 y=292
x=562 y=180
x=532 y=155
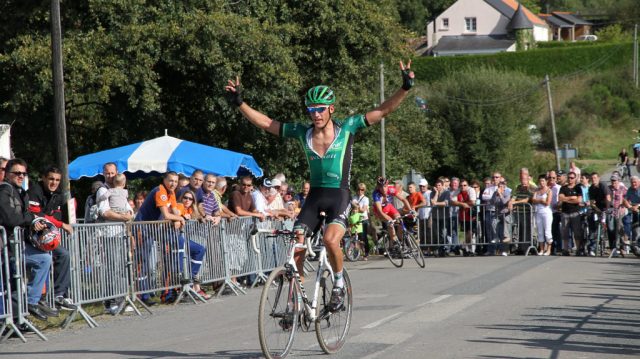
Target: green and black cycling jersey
x=333 y=170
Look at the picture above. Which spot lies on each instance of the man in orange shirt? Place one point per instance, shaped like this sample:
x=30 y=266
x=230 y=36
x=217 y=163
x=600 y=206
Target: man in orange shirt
x=415 y=198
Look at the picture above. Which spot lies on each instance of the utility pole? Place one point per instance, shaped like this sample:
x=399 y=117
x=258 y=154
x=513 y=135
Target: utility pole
x=58 y=98
x=383 y=165
x=635 y=56
x=553 y=121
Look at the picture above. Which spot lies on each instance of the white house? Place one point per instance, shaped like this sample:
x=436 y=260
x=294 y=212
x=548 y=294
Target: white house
x=481 y=27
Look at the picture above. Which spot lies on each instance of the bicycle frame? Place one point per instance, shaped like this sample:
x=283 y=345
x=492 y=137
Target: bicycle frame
x=323 y=263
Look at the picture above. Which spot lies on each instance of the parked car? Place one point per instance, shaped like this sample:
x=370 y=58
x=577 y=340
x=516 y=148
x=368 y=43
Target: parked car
x=587 y=38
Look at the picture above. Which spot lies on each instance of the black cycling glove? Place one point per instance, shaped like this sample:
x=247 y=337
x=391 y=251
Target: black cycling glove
x=235 y=97
x=407 y=79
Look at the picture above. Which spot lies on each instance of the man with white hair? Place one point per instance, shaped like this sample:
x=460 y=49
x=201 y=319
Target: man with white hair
x=221 y=188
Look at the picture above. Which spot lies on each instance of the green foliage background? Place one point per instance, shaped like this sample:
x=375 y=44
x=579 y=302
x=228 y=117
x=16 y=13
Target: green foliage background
x=136 y=67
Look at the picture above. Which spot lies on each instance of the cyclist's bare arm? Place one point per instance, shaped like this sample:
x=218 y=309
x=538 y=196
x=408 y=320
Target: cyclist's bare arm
x=407 y=205
x=257 y=118
x=376 y=115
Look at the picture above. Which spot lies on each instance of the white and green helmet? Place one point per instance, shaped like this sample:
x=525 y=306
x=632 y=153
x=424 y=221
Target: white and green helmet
x=319 y=95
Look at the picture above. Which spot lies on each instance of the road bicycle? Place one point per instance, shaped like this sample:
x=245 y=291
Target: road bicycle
x=285 y=306
x=408 y=246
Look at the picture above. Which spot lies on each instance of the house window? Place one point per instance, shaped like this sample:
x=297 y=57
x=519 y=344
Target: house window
x=445 y=24
x=470 y=24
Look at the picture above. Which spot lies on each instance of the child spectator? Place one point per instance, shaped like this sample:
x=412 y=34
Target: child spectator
x=355 y=226
x=118 y=196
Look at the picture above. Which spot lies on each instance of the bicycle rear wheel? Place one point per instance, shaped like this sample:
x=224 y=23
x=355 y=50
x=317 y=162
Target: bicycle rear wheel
x=332 y=328
x=278 y=314
x=414 y=249
x=394 y=253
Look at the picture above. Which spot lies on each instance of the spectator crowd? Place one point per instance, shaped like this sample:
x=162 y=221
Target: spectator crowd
x=454 y=216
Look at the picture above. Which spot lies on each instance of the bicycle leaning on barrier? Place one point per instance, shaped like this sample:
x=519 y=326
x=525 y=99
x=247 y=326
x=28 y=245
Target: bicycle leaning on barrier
x=285 y=306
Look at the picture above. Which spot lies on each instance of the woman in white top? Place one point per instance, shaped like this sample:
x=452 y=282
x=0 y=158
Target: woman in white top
x=363 y=206
x=544 y=216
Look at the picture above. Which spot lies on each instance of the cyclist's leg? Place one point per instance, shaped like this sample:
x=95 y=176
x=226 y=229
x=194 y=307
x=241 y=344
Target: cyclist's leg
x=308 y=219
x=332 y=237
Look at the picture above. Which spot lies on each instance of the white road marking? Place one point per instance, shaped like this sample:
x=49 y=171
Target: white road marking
x=435 y=300
x=381 y=321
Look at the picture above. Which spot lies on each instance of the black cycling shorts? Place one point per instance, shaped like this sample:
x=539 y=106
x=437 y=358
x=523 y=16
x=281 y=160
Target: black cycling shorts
x=335 y=202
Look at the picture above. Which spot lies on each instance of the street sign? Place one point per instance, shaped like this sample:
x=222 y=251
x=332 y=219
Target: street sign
x=570 y=153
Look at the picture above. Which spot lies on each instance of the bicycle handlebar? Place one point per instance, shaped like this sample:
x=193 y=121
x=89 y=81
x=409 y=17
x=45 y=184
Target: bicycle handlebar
x=278 y=232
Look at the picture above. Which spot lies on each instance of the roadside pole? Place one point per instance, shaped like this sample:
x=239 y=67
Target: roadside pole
x=58 y=98
x=383 y=166
x=553 y=121
x=635 y=56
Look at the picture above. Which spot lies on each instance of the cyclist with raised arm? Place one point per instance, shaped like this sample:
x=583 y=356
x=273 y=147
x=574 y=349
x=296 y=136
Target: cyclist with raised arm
x=328 y=146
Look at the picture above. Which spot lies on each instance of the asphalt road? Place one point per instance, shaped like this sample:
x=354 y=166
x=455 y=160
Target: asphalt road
x=482 y=307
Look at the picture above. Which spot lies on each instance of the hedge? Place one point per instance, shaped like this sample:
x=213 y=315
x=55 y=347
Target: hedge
x=538 y=62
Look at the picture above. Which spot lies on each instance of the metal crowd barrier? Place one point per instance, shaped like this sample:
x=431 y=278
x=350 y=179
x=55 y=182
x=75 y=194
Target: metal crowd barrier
x=155 y=258
x=451 y=228
x=18 y=270
x=122 y=261
x=6 y=307
x=99 y=259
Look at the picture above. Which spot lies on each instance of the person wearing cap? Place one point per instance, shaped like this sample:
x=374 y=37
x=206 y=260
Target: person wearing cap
x=615 y=227
x=562 y=178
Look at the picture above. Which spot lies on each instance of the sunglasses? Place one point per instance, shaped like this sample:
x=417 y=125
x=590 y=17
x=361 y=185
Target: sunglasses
x=18 y=173
x=316 y=109
x=187 y=198
x=572 y=177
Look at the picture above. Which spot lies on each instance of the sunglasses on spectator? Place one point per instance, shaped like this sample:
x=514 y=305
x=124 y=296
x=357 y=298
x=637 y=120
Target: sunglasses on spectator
x=187 y=198
x=361 y=189
x=18 y=173
x=316 y=109
x=572 y=177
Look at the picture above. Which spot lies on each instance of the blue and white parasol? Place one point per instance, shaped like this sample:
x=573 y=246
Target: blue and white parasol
x=164 y=154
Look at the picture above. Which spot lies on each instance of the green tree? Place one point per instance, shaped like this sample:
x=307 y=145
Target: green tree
x=134 y=68
x=487 y=113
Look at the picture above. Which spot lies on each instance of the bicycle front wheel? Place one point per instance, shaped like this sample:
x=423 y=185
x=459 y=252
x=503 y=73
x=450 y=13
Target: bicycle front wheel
x=332 y=328
x=351 y=248
x=278 y=315
x=413 y=249
x=394 y=252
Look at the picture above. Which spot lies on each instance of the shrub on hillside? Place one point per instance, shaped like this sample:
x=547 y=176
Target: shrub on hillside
x=487 y=113
x=536 y=63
